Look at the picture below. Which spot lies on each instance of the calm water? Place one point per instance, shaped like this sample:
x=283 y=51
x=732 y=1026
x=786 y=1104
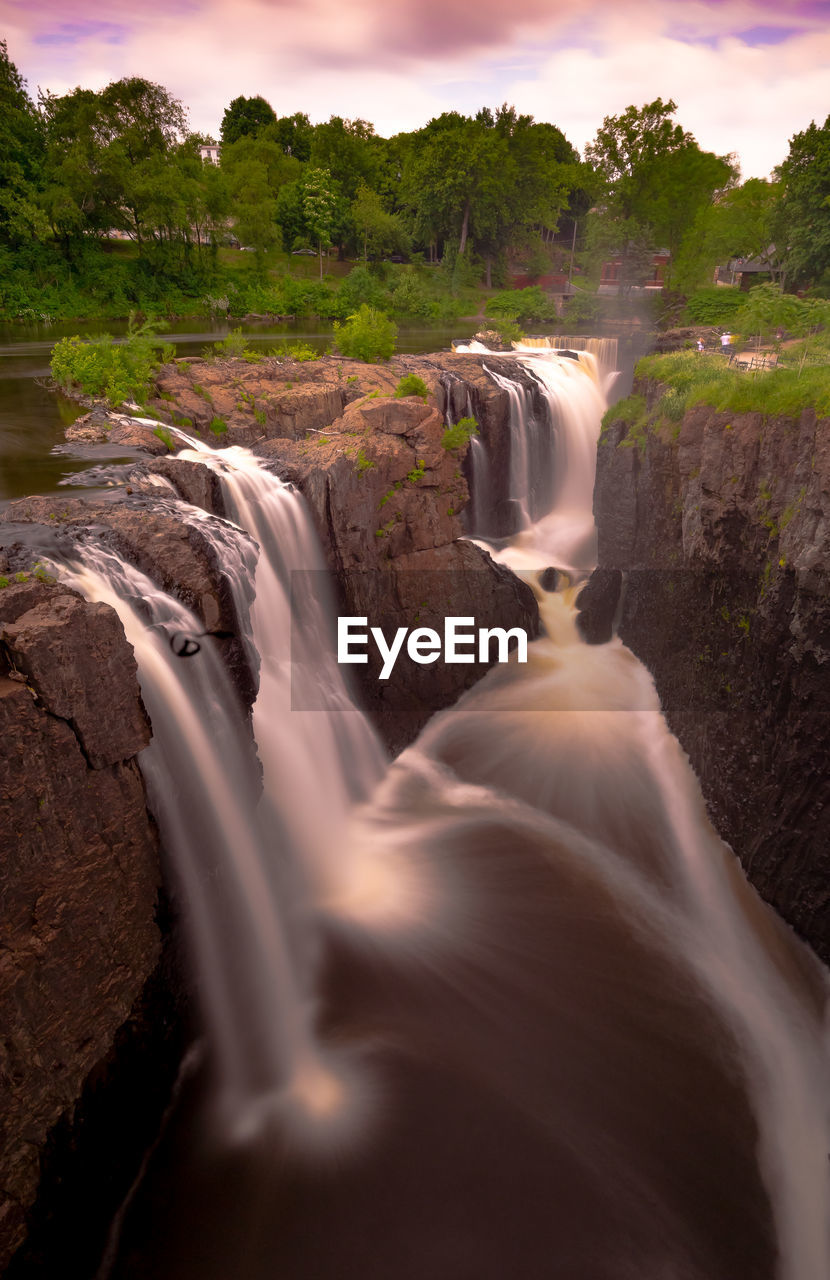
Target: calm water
x=33 y=419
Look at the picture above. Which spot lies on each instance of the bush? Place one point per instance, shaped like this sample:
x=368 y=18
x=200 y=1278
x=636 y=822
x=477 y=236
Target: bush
x=367 y=335
x=218 y=426
x=411 y=385
x=103 y=366
x=522 y=304
x=716 y=306
x=461 y=433
x=233 y=347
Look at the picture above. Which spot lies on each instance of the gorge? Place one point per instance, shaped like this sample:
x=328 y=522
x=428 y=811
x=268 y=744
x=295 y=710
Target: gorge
x=519 y=1004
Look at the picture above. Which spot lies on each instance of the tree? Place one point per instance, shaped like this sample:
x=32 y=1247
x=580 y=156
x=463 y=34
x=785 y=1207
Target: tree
x=294 y=134
x=381 y=232
x=654 y=179
x=319 y=208
x=349 y=150
x=737 y=224
x=487 y=179
x=22 y=154
x=802 y=221
x=245 y=117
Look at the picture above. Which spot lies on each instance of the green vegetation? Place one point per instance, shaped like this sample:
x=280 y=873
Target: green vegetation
x=218 y=426
x=165 y=437
x=417 y=473
x=460 y=434
x=411 y=385
x=690 y=379
x=107 y=207
x=233 y=347
x=103 y=366
x=714 y=306
x=367 y=335
x=363 y=463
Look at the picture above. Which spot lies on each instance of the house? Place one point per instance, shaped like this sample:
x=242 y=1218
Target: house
x=210 y=151
x=746 y=272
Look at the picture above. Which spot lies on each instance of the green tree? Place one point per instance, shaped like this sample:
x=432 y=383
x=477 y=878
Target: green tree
x=737 y=224
x=246 y=117
x=380 y=232
x=653 y=181
x=802 y=220
x=319 y=209
x=22 y=154
x=349 y=151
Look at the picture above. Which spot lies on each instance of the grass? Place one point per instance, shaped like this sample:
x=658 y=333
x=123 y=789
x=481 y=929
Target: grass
x=691 y=379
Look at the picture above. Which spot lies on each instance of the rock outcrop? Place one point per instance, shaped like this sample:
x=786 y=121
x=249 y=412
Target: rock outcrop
x=386 y=496
x=722 y=529
x=79 y=870
x=175 y=555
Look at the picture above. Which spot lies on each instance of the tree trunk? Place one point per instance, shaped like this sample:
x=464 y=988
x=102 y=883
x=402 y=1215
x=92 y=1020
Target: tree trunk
x=489 y=272
x=320 y=250
x=464 y=228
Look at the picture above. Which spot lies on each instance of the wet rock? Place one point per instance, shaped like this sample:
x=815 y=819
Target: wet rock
x=79 y=870
x=598 y=602
x=74 y=656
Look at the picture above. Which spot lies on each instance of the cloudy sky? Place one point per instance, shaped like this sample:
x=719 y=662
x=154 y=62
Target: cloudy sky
x=745 y=76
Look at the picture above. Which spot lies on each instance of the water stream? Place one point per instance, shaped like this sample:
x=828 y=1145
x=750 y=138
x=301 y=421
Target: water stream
x=505 y=1007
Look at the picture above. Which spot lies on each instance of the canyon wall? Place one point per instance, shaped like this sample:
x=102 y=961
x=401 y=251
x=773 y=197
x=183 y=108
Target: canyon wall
x=720 y=525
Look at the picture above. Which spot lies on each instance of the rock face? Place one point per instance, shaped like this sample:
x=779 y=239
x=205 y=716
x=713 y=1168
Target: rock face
x=386 y=497
x=723 y=529
x=79 y=871
x=178 y=557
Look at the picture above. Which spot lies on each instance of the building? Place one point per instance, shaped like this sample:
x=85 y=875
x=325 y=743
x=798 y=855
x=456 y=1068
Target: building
x=210 y=151
x=609 y=281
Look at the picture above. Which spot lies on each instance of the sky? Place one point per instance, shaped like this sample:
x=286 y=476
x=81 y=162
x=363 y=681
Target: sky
x=745 y=76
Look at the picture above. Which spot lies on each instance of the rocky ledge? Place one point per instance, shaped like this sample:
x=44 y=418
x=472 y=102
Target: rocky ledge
x=721 y=528
x=79 y=871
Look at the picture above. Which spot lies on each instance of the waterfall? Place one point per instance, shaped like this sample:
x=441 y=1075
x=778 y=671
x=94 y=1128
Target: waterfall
x=252 y=849
x=604 y=350
x=552 y=460
x=593 y=1050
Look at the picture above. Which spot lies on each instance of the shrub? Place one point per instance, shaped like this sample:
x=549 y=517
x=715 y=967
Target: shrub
x=367 y=335
x=411 y=385
x=165 y=437
x=455 y=437
x=521 y=304
x=232 y=347
x=103 y=366
x=363 y=463
x=218 y=426
x=716 y=306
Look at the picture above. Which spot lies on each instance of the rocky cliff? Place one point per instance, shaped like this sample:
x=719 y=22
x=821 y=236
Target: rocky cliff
x=721 y=526
x=79 y=871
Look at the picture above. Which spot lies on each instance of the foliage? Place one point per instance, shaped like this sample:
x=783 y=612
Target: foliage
x=653 y=181
x=411 y=385
x=459 y=434
x=218 y=426
x=802 y=222
x=522 y=304
x=165 y=437
x=245 y=117
x=367 y=335
x=104 y=366
x=583 y=308
x=363 y=463
x=299 y=351
x=716 y=306
x=232 y=347
x=692 y=379
x=418 y=472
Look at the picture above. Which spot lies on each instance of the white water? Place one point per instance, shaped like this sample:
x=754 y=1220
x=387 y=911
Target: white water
x=538 y=935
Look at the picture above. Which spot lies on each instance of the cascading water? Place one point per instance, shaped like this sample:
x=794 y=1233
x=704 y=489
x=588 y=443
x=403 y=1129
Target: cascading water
x=598 y=1054
x=252 y=849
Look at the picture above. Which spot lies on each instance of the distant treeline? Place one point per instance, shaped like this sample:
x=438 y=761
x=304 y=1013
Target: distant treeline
x=478 y=193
